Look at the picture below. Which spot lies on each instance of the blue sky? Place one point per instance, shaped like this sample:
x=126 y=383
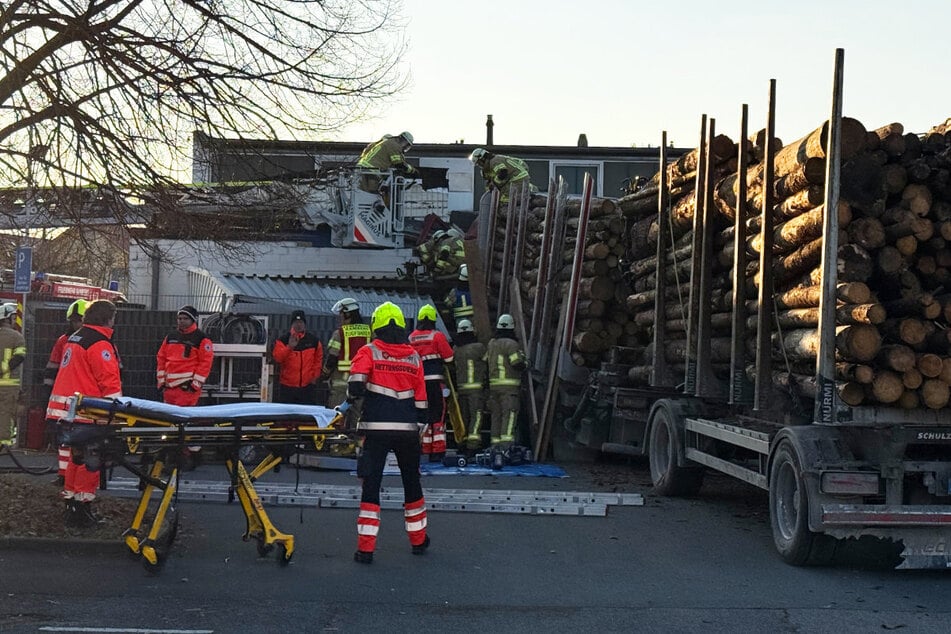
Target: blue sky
x=623 y=71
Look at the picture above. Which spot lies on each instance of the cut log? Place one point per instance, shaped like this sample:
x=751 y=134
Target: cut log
x=929 y=365
x=935 y=394
x=887 y=387
x=912 y=379
x=897 y=357
x=855 y=372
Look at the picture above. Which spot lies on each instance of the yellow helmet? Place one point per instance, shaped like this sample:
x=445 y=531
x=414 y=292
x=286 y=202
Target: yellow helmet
x=77 y=309
x=427 y=312
x=386 y=313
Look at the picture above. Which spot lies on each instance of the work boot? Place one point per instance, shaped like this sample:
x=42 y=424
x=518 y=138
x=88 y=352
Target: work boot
x=72 y=515
x=89 y=517
x=421 y=548
x=363 y=557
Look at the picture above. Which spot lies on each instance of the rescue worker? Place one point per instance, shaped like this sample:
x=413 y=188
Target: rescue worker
x=450 y=255
x=352 y=335
x=387 y=375
x=91 y=367
x=386 y=154
x=471 y=372
x=501 y=172
x=12 y=354
x=435 y=351
x=74 y=319
x=459 y=299
x=505 y=361
x=300 y=357
x=184 y=360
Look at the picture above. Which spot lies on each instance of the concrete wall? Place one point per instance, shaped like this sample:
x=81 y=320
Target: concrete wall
x=168 y=288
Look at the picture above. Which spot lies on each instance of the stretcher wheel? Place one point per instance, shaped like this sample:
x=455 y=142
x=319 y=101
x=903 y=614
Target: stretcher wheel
x=264 y=549
x=148 y=554
x=282 y=557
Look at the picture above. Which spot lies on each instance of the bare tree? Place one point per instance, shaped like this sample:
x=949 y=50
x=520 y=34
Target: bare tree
x=103 y=95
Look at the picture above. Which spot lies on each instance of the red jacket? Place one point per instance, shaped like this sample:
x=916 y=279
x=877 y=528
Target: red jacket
x=434 y=349
x=56 y=357
x=394 y=398
x=301 y=365
x=183 y=358
x=90 y=366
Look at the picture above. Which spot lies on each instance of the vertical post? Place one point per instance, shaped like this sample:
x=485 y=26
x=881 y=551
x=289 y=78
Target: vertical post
x=541 y=285
x=659 y=372
x=546 y=338
x=764 y=319
x=504 y=278
x=739 y=384
x=519 y=250
x=706 y=385
x=487 y=255
x=696 y=253
x=572 y=299
x=825 y=407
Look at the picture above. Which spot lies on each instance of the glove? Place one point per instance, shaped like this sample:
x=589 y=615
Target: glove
x=445 y=392
x=343 y=407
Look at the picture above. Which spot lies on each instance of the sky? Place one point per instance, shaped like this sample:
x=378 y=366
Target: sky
x=623 y=71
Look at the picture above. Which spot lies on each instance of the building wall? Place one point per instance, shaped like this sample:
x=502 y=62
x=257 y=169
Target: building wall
x=169 y=288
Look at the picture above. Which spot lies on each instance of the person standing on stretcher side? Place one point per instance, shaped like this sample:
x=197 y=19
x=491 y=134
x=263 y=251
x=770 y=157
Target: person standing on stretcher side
x=91 y=367
x=387 y=375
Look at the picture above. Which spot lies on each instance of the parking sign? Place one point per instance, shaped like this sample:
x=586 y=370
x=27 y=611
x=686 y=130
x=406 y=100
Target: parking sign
x=22 y=270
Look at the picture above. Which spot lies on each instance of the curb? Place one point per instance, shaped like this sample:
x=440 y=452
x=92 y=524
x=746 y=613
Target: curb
x=66 y=546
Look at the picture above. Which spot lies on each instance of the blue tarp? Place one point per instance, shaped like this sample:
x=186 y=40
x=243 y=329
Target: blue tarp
x=530 y=469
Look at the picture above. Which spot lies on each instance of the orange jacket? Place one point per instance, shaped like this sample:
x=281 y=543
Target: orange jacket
x=184 y=358
x=301 y=365
x=90 y=366
x=434 y=349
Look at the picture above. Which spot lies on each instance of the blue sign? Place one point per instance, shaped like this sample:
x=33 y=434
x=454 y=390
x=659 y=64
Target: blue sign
x=22 y=270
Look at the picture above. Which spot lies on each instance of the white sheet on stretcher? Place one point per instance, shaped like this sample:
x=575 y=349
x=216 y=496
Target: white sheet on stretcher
x=234 y=413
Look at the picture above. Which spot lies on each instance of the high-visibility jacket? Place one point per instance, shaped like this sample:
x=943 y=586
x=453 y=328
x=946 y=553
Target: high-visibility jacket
x=460 y=301
x=56 y=357
x=344 y=345
x=184 y=358
x=505 y=360
x=90 y=366
x=300 y=365
x=471 y=369
x=395 y=390
x=434 y=350
x=384 y=154
x=12 y=352
x=501 y=171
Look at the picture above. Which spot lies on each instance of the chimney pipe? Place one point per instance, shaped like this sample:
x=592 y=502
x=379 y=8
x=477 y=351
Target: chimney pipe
x=488 y=130
x=582 y=140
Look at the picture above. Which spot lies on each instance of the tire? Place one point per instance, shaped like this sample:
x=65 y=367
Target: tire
x=668 y=478
x=789 y=513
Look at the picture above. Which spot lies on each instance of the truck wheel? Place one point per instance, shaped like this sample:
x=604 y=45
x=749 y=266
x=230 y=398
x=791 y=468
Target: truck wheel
x=668 y=478
x=789 y=513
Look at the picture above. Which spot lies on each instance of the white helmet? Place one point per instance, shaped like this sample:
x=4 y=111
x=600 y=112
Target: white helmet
x=406 y=136
x=346 y=305
x=463 y=273
x=477 y=155
x=505 y=322
x=7 y=310
x=464 y=325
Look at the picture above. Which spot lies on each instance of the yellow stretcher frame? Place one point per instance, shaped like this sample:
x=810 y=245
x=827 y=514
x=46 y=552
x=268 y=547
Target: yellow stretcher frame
x=140 y=434
x=455 y=413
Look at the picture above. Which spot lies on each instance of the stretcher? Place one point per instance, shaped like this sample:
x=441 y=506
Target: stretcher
x=158 y=433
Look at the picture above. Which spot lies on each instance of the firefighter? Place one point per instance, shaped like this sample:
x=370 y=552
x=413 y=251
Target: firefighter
x=505 y=361
x=184 y=360
x=352 y=335
x=74 y=319
x=450 y=255
x=13 y=350
x=300 y=356
x=91 y=367
x=385 y=154
x=471 y=372
x=501 y=172
x=387 y=375
x=459 y=299
x=435 y=351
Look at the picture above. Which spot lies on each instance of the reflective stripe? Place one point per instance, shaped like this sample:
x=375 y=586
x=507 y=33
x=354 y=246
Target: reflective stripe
x=416 y=526
x=386 y=426
x=368 y=529
x=359 y=378
x=386 y=391
x=433 y=377
x=504 y=382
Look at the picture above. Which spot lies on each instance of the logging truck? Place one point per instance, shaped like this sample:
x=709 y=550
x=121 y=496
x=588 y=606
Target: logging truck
x=799 y=334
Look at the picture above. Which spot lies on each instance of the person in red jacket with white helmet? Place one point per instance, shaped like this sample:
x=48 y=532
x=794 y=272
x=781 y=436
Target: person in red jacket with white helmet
x=434 y=349
x=387 y=375
x=91 y=367
x=184 y=360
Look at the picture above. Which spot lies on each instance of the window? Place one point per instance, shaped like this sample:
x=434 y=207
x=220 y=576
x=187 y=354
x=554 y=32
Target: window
x=573 y=173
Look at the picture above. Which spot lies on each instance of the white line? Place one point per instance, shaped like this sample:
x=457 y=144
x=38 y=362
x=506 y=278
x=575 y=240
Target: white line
x=121 y=630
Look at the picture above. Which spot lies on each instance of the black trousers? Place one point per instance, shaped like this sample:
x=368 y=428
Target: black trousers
x=306 y=395
x=376 y=444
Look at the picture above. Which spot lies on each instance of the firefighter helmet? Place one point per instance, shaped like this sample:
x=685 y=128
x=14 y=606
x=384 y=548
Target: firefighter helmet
x=505 y=322
x=463 y=273
x=77 y=309
x=464 y=325
x=346 y=305
x=477 y=155
x=406 y=136
x=427 y=312
x=387 y=313
x=7 y=310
